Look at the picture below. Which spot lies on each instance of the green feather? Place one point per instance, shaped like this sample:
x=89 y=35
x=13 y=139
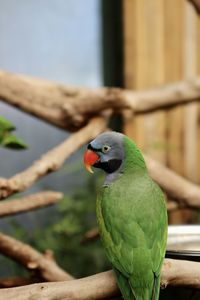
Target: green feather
x=132 y=220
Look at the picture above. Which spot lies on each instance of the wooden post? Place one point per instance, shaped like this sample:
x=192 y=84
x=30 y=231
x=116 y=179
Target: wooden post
x=144 y=68
x=191 y=110
x=160 y=46
x=198 y=72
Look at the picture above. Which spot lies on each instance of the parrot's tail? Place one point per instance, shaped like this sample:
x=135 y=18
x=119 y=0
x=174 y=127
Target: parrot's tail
x=156 y=288
x=129 y=293
x=143 y=294
x=150 y=293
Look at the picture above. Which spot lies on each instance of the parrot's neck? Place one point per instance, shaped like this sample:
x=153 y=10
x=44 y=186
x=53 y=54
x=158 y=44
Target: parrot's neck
x=133 y=163
x=111 y=177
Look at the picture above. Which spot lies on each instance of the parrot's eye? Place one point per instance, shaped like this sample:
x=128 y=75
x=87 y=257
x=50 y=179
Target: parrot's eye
x=105 y=148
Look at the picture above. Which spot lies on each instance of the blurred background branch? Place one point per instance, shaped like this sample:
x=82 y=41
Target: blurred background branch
x=62 y=105
x=45 y=267
x=28 y=203
x=52 y=160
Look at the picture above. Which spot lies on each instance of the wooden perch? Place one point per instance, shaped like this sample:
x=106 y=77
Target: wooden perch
x=180 y=273
x=100 y=286
x=177 y=188
x=16 y=281
x=52 y=160
x=103 y=285
x=44 y=266
x=70 y=107
x=27 y=203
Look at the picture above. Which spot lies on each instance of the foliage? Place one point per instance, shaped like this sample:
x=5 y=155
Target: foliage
x=7 y=139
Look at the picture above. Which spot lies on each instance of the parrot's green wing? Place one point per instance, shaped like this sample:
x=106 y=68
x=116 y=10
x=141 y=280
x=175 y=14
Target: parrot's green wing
x=133 y=225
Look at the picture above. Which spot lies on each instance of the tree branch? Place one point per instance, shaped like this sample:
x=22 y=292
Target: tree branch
x=173 y=205
x=180 y=273
x=177 y=188
x=32 y=259
x=52 y=160
x=90 y=236
x=196 y=4
x=16 y=281
x=27 y=203
x=63 y=105
x=103 y=285
x=96 y=287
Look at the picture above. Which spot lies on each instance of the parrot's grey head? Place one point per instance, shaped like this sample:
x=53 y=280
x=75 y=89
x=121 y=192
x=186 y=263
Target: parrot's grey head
x=106 y=152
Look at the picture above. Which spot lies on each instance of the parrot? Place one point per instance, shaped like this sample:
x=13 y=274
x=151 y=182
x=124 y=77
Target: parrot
x=131 y=215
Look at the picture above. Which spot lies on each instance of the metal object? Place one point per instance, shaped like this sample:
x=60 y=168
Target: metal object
x=184 y=242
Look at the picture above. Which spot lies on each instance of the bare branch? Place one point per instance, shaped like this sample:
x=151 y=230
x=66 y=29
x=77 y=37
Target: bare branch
x=172 y=205
x=16 y=281
x=38 y=97
x=196 y=4
x=52 y=160
x=180 y=273
x=103 y=285
x=96 y=287
x=32 y=259
x=63 y=105
x=90 y=236
x=176 y=187
x=27 y=203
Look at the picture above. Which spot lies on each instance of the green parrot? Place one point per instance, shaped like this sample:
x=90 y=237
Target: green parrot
x=131 y=215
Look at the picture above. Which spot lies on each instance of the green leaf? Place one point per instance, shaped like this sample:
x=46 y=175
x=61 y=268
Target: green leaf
x=12 y=142
x=6 y=125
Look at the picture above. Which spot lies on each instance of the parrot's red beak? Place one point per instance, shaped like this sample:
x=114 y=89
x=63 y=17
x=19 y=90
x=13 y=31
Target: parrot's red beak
x=90 y=158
